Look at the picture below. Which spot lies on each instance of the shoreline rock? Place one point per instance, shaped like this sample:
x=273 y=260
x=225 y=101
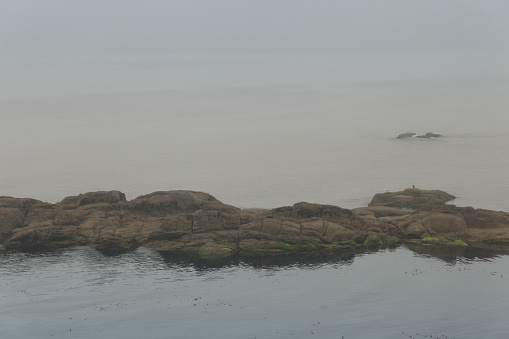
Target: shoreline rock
x=195 y=224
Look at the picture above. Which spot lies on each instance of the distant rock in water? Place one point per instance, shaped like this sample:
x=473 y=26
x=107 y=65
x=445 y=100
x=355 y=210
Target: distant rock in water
x=406 y=135
x=413 y=135
x=429 y=135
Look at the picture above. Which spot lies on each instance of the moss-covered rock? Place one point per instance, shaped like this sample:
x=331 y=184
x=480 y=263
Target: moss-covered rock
x=254 y=247
x=440 y=241
x=375 y=241
x=213 y=251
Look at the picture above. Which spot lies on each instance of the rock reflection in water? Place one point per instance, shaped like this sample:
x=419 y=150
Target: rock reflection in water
x=448 y=254
x=269 y=261
x=452 y=253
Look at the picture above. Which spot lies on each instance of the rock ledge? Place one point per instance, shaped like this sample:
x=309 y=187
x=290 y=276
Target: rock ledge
x=197 y=224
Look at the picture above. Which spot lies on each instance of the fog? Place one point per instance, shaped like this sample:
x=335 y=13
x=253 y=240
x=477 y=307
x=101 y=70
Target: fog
x=260 y=103
x=93 y=27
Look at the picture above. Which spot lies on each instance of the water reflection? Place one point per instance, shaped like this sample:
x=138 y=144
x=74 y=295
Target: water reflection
x=448 y=254
x=453 y=254
x=328 y=296
x=143 y=259
x=274 y=261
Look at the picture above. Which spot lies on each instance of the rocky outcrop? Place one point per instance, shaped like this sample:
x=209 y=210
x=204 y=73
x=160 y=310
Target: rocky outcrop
x=423 y=214
x=412 y=198
x=406 y=135
x=429 y=135
x=197 y=224
x=413 y=135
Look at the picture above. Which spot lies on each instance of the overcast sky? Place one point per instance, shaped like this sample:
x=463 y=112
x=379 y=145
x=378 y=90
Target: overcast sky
x=98 y=27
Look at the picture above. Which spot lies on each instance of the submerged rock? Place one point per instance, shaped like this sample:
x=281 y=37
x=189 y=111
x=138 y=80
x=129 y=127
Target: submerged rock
x=198 y=225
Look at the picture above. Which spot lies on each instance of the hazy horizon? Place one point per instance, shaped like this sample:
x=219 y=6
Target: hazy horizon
x=114 y=27
x=260 y=103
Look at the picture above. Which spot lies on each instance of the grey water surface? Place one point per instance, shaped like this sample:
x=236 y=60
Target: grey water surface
x=258 y=130
x=79 y=293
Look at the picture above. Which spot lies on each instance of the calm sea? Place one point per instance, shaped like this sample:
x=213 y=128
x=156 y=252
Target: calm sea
x=79 y=293
x=256 y=131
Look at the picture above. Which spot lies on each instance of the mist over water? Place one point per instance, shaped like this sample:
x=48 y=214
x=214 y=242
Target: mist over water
x=258 y=130
x=81 y=109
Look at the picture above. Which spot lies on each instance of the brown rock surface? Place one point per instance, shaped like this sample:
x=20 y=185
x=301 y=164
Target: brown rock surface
x=412 y=198
x=196 y=223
